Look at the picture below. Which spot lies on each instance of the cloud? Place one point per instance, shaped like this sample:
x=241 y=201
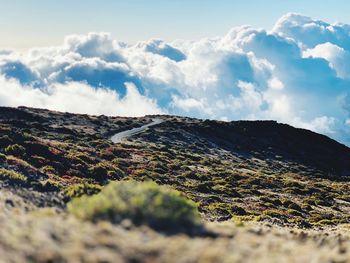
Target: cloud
x=96 y=73
x=296 y=73
x=310 y=32
x=338 y=58
x=78 y=98
x=99 y=45
x=161 y=48
x=18 y=70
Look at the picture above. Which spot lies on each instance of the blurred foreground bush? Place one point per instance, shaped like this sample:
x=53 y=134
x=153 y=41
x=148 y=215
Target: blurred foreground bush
x=143 y=203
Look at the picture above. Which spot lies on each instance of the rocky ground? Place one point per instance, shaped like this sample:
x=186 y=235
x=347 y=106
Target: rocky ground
x=266 y=191
x=51 y=236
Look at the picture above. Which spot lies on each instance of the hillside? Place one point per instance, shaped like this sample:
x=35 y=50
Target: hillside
x=280 y=182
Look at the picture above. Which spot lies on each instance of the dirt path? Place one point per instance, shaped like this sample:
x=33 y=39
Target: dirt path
x=120 y=136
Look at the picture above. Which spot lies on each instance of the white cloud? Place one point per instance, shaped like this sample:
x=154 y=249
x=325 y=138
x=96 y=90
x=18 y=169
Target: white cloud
x=297 y=73
x=78 y=98
x=309 y=32
x=187 y=103
x=338 y=58
x=94 y=45
x=157 y=46
x=275 y=83
x=323 y=124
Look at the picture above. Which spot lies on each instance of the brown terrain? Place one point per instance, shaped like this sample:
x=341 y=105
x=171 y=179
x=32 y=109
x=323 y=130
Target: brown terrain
x=263 y=191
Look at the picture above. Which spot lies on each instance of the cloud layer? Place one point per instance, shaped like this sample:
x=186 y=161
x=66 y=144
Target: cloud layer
x=296 y=73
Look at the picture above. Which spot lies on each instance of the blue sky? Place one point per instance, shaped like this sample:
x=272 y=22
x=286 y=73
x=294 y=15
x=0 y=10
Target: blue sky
x=25 y=23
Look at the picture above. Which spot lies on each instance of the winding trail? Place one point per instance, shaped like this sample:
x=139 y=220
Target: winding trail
x=120 y=136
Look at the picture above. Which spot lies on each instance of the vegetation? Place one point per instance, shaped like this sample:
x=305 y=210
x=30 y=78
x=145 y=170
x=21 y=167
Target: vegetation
x=245 y=173
x=142 y=203
x=15 y=149
x=105 y=170
x=12 y=176
x=225 y=184
x=78 y=190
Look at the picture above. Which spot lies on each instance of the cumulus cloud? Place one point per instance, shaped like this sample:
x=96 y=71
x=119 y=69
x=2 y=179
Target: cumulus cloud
x=157 y=46
x=310 y=32
x=296 y=73
x=93 y=45
x=78 y=98
x=14 y=68
x=338 y=58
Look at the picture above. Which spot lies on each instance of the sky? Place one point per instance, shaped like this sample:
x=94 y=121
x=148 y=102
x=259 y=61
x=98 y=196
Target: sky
x=28 y=23
x=283 y=60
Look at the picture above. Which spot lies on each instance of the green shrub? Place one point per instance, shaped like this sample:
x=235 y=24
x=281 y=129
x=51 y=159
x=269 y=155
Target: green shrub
x=294 y=212
x=142 y=203
x=78 y=157
x=15 y=149
x=50 y=186
x=331 y=221
x=105 y=170
x=79 y=190
x=5 y=141
x=237 y=210
x=268 y=200
x=12 y=176
x=295 y=206
x=47 y=169
x=274 y=213
x=2 y=157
